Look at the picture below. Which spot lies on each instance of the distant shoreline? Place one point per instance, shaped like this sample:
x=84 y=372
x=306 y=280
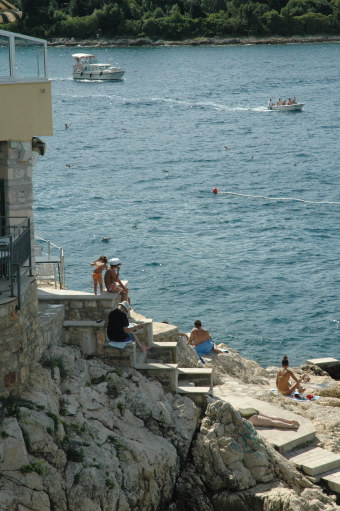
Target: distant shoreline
x=199 y=41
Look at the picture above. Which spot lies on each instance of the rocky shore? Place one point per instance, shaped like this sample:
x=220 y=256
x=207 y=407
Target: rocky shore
x=88 y=436
x=199 y=41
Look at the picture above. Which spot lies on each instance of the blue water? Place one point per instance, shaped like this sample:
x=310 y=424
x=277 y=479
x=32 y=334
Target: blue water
x=138 y=164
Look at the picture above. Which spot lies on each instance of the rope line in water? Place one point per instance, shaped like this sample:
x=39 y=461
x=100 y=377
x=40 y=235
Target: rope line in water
x=277 y=198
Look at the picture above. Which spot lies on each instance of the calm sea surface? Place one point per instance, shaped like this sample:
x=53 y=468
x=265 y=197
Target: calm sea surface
x=138 y=164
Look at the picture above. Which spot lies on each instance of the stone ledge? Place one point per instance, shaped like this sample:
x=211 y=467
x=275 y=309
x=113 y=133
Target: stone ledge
x=333 y=481
x=155 y=366
x=315 y=460
x=194 y=371
x=182 y=389
x=84 y=324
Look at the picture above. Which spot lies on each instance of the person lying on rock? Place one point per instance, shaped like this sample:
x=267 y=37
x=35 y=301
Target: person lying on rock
x=260 y=419
x=201 y=340
x=284 y=375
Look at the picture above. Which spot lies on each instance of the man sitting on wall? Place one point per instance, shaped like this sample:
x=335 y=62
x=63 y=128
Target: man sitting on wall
x=118 y=325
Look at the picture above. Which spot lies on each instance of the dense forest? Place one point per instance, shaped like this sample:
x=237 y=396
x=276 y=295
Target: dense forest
x=176 y=19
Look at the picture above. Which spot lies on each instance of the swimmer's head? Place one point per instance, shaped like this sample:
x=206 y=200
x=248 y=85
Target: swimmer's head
x=197 y=323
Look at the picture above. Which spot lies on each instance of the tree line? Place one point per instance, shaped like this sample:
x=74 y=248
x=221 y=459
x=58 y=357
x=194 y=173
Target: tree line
x=176 y=19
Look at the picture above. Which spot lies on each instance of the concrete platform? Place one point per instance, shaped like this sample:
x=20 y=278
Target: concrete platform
x=315 y=460
x=282 y=439
x=329 y=364
x=333 y=481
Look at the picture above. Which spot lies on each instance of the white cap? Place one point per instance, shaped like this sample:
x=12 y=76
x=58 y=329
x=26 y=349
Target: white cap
x=114 y=261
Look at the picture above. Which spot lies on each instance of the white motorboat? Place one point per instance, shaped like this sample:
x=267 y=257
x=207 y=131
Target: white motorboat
x=295 y=107
x=86 y=67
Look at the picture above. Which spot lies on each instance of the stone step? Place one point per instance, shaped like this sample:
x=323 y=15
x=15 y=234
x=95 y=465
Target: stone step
x=165 y=352
x=166 y=374
x=314 y=460
x=163 y=332
x=197 y=394
x=88 y=335
x=198 y=376
x=333 y=481
x=83 y=324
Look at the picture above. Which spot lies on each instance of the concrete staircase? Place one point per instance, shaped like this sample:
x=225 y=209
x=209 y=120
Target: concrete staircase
x=319 y=465
x=154 y=352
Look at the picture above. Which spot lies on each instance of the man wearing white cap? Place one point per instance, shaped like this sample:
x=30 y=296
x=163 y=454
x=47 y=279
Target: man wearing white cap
x=118 y=325
x=112 y=282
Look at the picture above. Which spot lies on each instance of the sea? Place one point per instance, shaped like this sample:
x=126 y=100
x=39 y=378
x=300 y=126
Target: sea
x=130 y=169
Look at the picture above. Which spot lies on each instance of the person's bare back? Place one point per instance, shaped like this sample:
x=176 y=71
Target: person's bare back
x=198 y=335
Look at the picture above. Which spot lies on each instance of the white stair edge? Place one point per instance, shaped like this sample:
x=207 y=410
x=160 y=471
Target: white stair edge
x=193 y=390
x=155 y=365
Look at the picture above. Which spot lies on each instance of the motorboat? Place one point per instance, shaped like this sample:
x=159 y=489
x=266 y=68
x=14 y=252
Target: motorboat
x=86 y=67
x=294 y=107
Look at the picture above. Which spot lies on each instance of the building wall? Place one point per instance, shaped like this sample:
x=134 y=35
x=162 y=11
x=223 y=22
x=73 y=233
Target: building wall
x=21 y=339
x=16 y=160
x=26 y=110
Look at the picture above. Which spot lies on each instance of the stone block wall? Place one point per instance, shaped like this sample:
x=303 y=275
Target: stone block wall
x=16 y=163
x=21 y=339
x=82 y=307
x=163 y=332
x=51 y=318
x=89 y=336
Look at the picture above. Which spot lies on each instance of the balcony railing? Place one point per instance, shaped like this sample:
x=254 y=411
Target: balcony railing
x=15 y=254
x=22 y=58
x=49 y=260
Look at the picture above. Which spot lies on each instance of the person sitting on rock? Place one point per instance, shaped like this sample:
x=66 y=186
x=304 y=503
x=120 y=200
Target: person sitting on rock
x=282 y=379
x=201 y=340
x=112 y=281
x=118 y=325
x=260 y=419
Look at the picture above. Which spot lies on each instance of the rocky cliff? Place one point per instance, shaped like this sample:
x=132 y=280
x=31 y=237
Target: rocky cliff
x=86 y=436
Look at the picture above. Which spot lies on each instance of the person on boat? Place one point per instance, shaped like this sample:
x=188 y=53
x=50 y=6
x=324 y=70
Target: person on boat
x=112 y=281
x=99 y=266
x=282 y=380
x=289 y=102
x=294 y=101
x=201 y=340
x=260 y=419
x=270 y=103
x=279 y=102
x=284 y=102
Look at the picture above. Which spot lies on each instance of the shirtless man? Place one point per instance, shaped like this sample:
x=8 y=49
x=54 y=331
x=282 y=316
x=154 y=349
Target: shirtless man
x=282 y=380
x=199 y=336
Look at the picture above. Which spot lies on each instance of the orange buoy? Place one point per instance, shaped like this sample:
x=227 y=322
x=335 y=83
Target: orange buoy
x=214 y=190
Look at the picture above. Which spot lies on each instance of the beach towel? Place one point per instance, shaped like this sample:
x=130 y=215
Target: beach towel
x=297 y=397
x=121 y=345
x=204 y=348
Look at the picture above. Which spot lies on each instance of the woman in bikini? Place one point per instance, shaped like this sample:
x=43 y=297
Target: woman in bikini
x=282 y=379
x=99 y=266
x=260 y=419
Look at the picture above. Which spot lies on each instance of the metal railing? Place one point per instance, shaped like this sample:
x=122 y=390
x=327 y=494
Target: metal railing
x=50 y=262
x=18 y=65
x=15 y=251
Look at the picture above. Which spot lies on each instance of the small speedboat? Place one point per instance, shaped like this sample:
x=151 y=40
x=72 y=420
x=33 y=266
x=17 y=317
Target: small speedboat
x=295 y=107
x=86 y=67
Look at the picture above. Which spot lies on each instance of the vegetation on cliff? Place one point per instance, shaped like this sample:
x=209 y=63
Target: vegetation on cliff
x=177 y=19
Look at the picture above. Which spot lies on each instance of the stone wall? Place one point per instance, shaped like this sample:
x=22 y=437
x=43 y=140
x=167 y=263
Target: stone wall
x=81 y=307
x=21 y=339
x=16 y=161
